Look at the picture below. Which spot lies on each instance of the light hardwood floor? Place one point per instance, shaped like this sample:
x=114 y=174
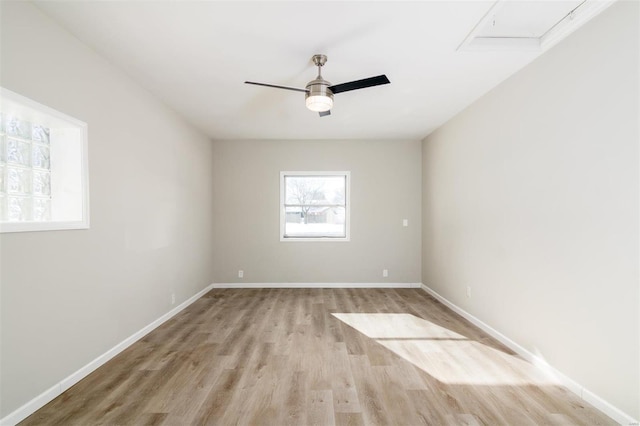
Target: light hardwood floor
x=317 y=357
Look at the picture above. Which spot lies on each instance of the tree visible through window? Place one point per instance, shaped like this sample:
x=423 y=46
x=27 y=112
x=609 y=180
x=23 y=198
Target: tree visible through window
x=314 y=205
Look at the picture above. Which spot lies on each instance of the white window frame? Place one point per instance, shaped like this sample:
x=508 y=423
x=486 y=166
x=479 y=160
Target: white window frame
x=12 y=100
x=347 y=198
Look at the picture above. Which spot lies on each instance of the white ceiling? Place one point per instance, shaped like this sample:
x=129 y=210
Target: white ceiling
x=195 y=56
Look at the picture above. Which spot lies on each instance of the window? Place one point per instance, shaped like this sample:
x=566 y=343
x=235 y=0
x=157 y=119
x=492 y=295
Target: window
x=43 y=167
x=314 y=206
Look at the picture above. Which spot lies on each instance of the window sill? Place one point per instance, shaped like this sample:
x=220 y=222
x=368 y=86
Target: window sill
x=314 y=240
x=7 y=227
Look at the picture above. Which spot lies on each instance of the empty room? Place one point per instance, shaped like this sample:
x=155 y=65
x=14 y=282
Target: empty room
x=320 y=212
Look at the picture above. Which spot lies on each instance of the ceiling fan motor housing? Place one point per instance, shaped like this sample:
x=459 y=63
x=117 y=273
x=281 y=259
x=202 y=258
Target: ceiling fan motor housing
x=319 y=97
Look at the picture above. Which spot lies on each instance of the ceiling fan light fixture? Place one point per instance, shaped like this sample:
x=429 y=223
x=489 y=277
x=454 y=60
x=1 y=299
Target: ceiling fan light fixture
x=319 y=97
x=319 y=103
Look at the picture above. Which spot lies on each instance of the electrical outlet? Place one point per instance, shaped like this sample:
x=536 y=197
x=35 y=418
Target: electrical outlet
x=173 y=298
x=405 y=222
x=385 y=273
x=468 y=291
x=240 y=273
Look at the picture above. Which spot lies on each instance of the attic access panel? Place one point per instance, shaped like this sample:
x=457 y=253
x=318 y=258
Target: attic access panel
x=530 y=25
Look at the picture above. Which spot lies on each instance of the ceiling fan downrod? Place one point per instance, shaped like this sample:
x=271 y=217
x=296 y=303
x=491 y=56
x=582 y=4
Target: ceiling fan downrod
x=319 y=61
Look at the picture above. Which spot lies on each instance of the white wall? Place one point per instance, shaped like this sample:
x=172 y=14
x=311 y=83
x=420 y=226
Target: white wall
x=69 y=296
x=385 y=189
x=530 y=196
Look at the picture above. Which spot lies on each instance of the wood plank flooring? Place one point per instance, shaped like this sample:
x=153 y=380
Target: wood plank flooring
x=317 y=357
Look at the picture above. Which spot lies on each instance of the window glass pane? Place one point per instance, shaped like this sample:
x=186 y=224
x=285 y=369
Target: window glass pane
x=314 y=190
x=16 y=127
x=18 y=208
x=336 y=189
x=41 y=156
x=41 y=183
x=304 y=190
x=18 y=180
x=40 y=134
x=315 y=221
x=18 y=152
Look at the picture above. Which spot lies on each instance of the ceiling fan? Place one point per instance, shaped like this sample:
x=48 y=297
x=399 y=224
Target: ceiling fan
x=319 y=92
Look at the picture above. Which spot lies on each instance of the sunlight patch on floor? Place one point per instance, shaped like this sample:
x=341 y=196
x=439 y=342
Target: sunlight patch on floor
x=444 y=354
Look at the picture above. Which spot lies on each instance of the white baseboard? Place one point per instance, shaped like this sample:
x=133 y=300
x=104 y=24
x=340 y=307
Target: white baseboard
x=45 y=397
x=588 y=396
x=316 y=285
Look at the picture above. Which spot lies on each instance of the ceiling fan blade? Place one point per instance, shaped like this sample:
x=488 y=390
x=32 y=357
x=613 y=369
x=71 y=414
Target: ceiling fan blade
x=324 y=113
x=276 y=86
x=360 y=84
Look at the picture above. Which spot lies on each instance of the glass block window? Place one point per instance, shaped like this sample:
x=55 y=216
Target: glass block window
x=43 y=167
x=314 y=206
x=25 y=169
